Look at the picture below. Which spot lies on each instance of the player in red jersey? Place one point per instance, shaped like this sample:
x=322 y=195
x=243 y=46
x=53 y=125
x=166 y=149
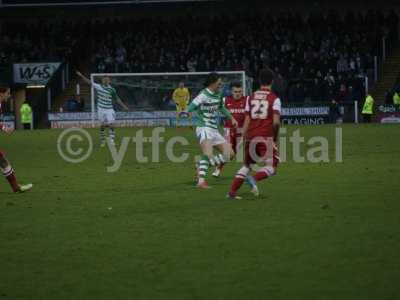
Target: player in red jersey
x=260 y=130
x=5 y=166
x=235 y=104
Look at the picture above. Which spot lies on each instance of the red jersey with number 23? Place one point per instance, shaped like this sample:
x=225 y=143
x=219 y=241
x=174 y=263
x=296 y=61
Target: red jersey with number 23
x=260 y=107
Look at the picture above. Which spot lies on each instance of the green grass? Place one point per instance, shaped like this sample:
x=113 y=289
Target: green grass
x=319 y=231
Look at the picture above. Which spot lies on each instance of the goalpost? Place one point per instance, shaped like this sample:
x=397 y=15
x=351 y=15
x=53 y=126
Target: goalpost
x=146 y=92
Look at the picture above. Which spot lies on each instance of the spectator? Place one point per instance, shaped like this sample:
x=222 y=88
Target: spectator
x=71 y=105
x=343 y=94
x=26 y=116
x=389 y=97
x=334 y=112
x=317 y=91
x=350 y=96
x=191 y=65
x=342 y=65
x=296 y=93
x=368 y=109
x=396 y=99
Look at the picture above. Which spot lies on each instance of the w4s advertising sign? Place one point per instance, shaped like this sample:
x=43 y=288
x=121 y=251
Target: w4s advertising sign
x=34 y=73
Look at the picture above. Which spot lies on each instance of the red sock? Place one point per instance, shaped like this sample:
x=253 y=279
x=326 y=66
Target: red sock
x=260 y=176
x=10 y=176
x=236 y=184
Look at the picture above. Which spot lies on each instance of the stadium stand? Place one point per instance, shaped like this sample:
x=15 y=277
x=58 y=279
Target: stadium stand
x=316 y=57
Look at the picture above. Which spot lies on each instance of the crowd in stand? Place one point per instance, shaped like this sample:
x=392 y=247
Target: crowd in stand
x=316 y=58
x=37 y=41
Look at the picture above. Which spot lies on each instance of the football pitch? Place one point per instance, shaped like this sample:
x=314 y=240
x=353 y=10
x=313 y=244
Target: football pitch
x=325 y=230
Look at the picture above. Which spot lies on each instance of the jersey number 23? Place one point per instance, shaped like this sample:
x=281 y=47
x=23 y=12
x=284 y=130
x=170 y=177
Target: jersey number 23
x=259 y=109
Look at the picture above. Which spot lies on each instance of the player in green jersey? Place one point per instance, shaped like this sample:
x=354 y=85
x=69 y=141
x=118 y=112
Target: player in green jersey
x=105 y=95
x=209 y=105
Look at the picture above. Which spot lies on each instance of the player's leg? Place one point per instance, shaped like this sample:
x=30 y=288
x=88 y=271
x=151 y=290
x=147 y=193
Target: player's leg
x=244 y=174
x=110 y=123
x=238 y=181
x=208 y=138
x=219 y=158
x=103 y=134
x=205 y=162
x=101 y=115
x=237 y=144
x=220 y=162
x=111 y=133
x=190 y=117
x=226 y=151
x=269 y=164
x=184 y=114
x=177 y=119
x=107 y=120
x=266 y=153
x=233 y=140
x=178 y=115
x=265 y=172
x=9 y=174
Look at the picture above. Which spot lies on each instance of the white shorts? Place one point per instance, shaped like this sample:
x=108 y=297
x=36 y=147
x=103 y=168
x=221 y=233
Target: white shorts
x=213 y=135
x=106 y=116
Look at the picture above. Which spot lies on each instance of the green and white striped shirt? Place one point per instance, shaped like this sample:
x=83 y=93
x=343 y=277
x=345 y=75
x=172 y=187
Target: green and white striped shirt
x=208 y=105
x=106 y=94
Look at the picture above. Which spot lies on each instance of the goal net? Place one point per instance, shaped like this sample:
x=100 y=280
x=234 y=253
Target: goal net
x=149 y=95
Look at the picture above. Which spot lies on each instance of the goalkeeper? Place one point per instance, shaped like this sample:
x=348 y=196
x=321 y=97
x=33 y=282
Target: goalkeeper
x=181 y=97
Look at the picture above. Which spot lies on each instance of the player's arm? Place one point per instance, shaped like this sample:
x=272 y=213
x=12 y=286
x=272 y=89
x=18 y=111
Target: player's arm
x=227 y=114
x=187 y=97
x=195 y=103
x=246 y=124
x=276 y=118
x=120 y=102
x=276 y=124
x=247 y=118
x=192 y=107
x=175 y=96
x=84 y=78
